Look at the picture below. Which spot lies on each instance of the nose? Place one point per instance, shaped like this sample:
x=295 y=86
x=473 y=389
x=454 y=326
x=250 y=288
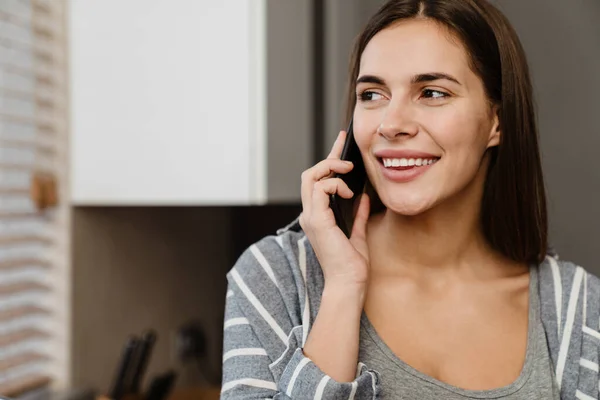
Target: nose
x=398 y=121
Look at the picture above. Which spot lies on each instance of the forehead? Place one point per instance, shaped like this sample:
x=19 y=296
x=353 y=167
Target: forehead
x=414 y=46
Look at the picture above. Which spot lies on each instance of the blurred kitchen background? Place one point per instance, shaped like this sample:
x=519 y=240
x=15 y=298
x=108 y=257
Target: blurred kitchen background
x=144 y=144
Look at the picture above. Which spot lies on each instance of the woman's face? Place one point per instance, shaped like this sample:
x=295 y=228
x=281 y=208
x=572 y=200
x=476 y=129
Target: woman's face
x=422 y=120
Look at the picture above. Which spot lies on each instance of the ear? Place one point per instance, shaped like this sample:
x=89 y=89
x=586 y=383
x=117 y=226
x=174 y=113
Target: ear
x=495 y=133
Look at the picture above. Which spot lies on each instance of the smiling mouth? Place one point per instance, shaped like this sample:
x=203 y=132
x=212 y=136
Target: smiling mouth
x=406 y=163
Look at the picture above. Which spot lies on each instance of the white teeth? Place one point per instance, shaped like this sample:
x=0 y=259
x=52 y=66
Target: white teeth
x=407 y=162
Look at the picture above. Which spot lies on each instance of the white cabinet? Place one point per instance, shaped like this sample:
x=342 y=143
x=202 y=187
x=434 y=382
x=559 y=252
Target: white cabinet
x=189 y=102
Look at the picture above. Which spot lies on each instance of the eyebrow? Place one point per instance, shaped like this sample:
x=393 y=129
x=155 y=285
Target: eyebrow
x=420 y=78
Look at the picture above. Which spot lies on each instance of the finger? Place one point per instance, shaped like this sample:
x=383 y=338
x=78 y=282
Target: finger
x=328 y=167
x=338 y=145
x=323 y=169
x=359 y=230
x=323 y=189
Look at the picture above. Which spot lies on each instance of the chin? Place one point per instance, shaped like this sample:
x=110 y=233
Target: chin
x=407 y=205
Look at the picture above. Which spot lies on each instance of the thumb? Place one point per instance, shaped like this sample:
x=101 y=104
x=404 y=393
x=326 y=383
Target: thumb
x=359 y=230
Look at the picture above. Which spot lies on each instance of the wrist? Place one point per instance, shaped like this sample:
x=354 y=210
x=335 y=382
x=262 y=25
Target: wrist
x=344 y=294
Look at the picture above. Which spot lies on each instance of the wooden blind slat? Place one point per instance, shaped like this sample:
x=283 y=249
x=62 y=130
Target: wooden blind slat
x=14 y=191
x=13 y=18
x=42 y=8
x=17 y=167
x=21 y=359
x=24 y=262
x=23 y=239
x=40 y=83
x=22 y=335
x=38 y=76
x=45 y=80
x=22 y=95
x=17 y=215
x=25 y=47
x=43 y=126
x=21 y=312
x=44 y=31
x=17 y=119
x=28 y=144
x=21 y=287
x=16 y=94
x=17 y=69
x=17 y=388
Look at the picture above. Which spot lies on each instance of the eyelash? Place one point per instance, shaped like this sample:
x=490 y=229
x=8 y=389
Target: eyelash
x=363 y=95
x=444 y=94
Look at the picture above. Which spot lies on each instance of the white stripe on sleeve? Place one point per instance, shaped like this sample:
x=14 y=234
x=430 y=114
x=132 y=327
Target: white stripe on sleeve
x=279 y=241
x=588 y=364
x=321 y=387
x=582 y=396
x=353 y=392
x=591 y=332
x=287 y=347
x=584 y=298
x=306 y=311
x=299 y=367
x=258 y=306
x=236 y=321
x=257 y=383
x=557 y=292
x=263 y=263
x=566 y=339
x=373 y=383
x=359 y=369
x=244 y=352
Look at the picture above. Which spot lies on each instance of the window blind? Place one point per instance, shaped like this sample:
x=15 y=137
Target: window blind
x=32 y=129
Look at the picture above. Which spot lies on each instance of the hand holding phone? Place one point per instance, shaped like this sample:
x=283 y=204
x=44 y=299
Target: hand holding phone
x=345 y=209
x=344 y=260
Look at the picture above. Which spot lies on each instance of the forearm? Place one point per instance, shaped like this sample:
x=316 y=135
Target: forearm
x=334 y=338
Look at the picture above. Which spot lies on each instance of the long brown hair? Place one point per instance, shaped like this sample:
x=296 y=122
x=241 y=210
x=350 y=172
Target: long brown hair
x=513 y=213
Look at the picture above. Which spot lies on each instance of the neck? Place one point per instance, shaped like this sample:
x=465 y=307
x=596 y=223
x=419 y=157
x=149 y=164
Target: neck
x=446 y=240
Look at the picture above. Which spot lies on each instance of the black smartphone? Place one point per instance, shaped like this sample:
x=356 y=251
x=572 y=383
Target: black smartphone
x=345 y=209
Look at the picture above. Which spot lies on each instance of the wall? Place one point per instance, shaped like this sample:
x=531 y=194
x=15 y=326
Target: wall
x=155 y=267
x=289 y=97
x=137 y=268
x=344 y=19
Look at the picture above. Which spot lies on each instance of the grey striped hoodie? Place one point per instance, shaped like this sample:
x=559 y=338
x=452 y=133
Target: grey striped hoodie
x=274 y=294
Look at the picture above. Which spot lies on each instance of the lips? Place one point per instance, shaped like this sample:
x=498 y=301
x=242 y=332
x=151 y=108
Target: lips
x=403 y=166
x=406 y=153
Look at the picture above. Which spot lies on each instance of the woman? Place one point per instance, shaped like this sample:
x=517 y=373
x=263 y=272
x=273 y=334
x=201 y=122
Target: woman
x=445 y=289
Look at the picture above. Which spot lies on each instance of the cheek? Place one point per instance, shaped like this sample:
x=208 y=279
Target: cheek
x=458 y=132
x=365 y=125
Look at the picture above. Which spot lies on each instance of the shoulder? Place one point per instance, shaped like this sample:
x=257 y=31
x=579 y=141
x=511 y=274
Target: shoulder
x=277 y=270
x=569 y=292
x=274 y=258
x=565 y=274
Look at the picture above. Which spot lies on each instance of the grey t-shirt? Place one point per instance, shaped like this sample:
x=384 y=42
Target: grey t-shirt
x=400 y=381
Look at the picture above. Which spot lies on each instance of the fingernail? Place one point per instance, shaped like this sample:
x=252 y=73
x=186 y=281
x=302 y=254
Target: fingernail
x=348 y=162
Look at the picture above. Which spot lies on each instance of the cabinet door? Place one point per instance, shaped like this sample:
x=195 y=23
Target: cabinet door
x=167 y=101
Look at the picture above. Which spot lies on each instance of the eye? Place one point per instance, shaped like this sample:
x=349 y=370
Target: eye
x=368 y=95
x=434 y=94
